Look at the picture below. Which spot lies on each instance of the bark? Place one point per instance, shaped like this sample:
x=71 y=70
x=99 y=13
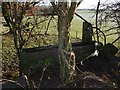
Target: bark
x=6 y=14
x=13 y=14
x=66 y=55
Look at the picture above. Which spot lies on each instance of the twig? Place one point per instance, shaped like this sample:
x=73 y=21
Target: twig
x=12 y=81
x=97 y=20
x=115 y=40
x=44 y=69
x=48 y=25
x=82 y=18
x=79 y=69
x=79 y=3
x=112 y=29
x=102 y=33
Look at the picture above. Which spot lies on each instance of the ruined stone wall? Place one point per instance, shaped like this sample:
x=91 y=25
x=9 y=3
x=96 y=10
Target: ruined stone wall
x=33 y=58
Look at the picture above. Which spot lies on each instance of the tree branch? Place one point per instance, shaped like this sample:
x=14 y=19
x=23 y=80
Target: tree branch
x=79 y=3
x=71 y=10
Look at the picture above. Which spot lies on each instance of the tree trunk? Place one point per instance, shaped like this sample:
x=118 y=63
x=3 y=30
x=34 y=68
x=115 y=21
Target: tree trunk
x=6 y=15
x=66 y=55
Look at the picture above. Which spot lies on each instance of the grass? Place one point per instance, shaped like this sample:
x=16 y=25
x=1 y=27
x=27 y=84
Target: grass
x=76 y=27
x=76 y=30
x=9 y=53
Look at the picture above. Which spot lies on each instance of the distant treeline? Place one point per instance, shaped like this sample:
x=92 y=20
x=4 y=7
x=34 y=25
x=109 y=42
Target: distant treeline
x=87 y=9
x=90 y=9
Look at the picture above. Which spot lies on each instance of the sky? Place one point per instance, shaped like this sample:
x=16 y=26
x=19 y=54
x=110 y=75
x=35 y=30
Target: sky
x=90 y=4
x=86 y=4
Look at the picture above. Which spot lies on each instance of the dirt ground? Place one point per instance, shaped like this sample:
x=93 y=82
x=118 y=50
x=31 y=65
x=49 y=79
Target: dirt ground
x=106 y=76
x=97 y=72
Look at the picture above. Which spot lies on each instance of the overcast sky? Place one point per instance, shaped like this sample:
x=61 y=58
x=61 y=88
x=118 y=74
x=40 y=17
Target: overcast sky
x=86 y=4
x=89 y=4
x=93 y=3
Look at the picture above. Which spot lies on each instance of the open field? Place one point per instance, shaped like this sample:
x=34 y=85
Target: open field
x=76 y=26
x=90 y=17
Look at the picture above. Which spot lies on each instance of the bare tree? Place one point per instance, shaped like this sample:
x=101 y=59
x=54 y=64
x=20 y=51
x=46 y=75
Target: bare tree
x=65 y=11
x=6 y=14
x=109 y=18
x=22 y=27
